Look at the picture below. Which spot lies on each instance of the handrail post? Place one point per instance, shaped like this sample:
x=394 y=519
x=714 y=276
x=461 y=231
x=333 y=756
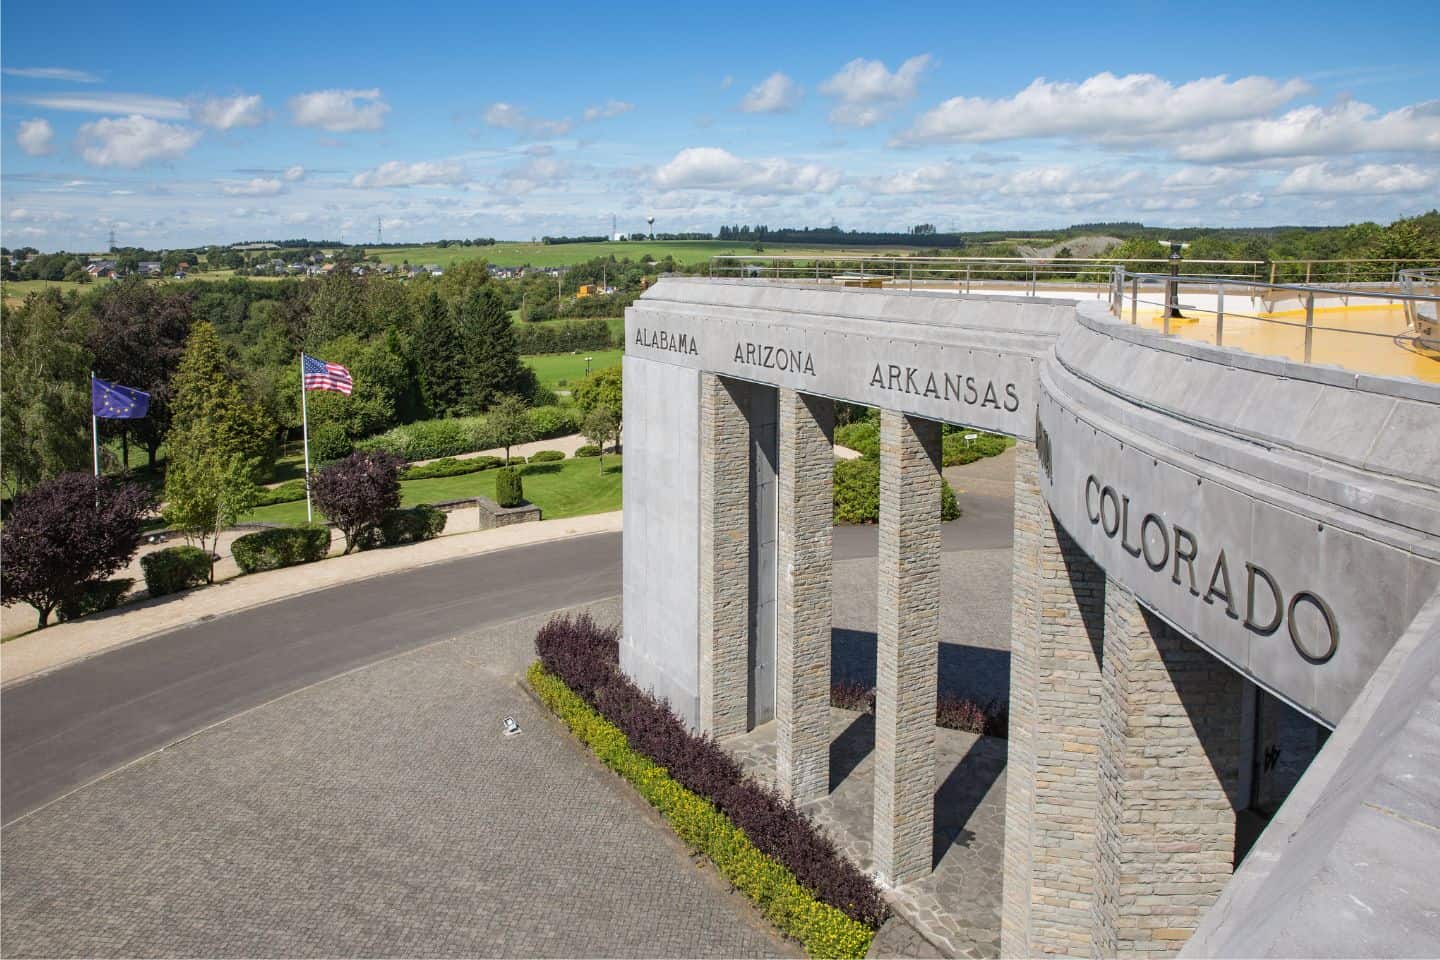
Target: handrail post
x=967 y=278
x=912 y=276
x=1220 y=314
x=1272 y=274
x=1134 y=299
x=1309 y=323
x=1308 y=265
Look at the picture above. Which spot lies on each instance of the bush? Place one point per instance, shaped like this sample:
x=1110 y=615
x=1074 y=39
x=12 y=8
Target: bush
x=448 y=467
x=408 y=526
x=547 y=422
x=546 y=456
x=956 y=451
x=328 y=443
x=562 y=337
x=822 y=929
x=857 y=493
x=862 y=436
x=174 y=569
x=94 y=596
x=585 y=656
x=282 y=547
x=589 y=450
x=509 y=489
x=952 y=712
x=287 y=492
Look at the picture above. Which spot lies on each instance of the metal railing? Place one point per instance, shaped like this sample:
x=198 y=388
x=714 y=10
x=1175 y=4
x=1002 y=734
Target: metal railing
x=1415 y=337
x=1342 y=272
x=954 y=274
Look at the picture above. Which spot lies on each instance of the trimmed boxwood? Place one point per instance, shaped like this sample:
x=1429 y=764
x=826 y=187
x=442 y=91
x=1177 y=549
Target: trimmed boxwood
x=823 y=930
x=586 y=657
x=408 y=526
x=281 y=547
x=174 y=568
x=448 y=467
x=589 y=450
x=94 y=596
x=547 y=456
x=509 y=488
x=857 y=493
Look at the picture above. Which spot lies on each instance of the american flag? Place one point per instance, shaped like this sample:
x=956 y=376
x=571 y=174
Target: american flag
x=320 y=375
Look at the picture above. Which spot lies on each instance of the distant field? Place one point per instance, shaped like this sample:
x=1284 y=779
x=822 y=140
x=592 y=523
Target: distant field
x=551 y=368
x=17 y=290
x=563 y=254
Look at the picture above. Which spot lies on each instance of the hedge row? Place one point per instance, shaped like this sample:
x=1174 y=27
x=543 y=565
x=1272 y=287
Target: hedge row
x=585 y=656
x=951 y=712
x=287 y=492
x=94 y=596
x=429 y=439
x=562 y=337
x=448 y=467
x=407 y=526
x=280 y=547
x=857 y=493
x=863 y=436
x=174 y=569
x=823 y=930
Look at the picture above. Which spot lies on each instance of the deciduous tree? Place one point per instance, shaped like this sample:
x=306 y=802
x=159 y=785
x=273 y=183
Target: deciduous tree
x=44 y=392
x=65 y=532
x=601 y=426
x=509 y=422
x=356 y=492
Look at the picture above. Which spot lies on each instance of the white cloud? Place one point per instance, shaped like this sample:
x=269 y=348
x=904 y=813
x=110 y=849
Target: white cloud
x=257 y=187
x=36 y=137
x=339 y=111
x=1343 y=128
x=926 y=179
x=294 y=173
x=1242 y=201
x=775 y=94
x=52 y=73
x=127 y=104
x=507 y=116
x=611 y=108
x=865 y=89
x=1102 y=107
x=395 y=173
x=540 y=171
x=1201 y=178
x=711 y=168
x=226 y=113
x=134 y=141
x=1366 y=179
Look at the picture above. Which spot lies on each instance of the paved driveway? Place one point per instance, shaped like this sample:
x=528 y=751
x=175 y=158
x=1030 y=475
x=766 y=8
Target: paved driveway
x=381 y=813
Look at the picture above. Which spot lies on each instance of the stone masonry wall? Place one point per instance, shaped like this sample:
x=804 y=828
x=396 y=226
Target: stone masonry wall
x=908 y=646
x=1055 y=694
x=724 y=554
x=806 y=512
x=1170 y=758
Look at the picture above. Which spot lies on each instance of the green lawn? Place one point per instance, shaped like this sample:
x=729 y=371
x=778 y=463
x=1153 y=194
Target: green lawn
x=552 y=368
x=616 y=324
x=568 y=488
x=564 y=254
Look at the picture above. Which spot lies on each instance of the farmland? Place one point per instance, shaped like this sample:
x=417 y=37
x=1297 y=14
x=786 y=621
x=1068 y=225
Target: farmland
x=564 y=254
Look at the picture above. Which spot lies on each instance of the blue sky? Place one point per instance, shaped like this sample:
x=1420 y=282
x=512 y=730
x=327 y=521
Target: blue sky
x=189 y=124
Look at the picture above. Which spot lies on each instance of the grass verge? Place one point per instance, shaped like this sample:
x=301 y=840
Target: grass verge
x=823 y=930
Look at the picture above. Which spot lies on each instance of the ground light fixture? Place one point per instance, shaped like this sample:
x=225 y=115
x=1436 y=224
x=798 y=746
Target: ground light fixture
x=512 y=728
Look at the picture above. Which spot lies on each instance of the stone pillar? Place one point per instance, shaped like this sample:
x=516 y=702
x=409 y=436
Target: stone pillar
x=1170 y=775
x=724 y=554
x=908 y=646
x=1057 y=633
x=806 y=513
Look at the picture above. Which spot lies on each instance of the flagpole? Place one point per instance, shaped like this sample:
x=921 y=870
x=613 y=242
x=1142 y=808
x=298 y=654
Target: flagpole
x=94 y=427
x=305 y=423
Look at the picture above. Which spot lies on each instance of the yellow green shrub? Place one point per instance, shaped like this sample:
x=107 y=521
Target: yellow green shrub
x=823 y=930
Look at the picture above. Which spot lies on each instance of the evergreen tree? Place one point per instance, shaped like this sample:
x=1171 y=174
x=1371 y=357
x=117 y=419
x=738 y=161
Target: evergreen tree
x=493 y=366
x=440 y=355
x=210 y=411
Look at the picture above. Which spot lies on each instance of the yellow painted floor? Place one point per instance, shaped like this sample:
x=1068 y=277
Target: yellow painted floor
x=1364 y=354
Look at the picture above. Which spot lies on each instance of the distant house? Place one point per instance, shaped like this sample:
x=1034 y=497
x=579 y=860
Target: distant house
x=148 y=268
x=433 y=269
x=101 y=268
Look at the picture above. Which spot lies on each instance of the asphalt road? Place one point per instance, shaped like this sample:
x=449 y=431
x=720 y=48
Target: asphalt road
x=64 y=729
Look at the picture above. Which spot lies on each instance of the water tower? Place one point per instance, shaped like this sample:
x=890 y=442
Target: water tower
x=651 y=222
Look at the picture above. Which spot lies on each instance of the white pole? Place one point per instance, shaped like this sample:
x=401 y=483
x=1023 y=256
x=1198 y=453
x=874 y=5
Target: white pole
x=305 y=422
x=94 y=427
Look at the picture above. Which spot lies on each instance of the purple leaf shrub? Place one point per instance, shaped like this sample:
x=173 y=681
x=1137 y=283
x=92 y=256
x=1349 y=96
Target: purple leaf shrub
x=355 y=493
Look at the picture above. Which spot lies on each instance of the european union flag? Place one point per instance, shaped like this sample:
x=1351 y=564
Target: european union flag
x=110 y=401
